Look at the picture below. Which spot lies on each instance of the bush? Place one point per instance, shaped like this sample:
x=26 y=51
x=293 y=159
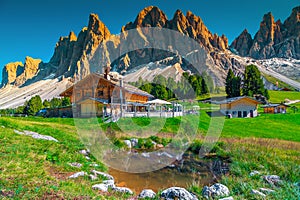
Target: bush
x=118 y=143
x=148 y=144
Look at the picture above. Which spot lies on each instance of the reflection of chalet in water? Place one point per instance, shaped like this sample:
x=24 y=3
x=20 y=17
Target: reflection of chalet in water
x=240 y=107
x=275 y=108
x=105 y=94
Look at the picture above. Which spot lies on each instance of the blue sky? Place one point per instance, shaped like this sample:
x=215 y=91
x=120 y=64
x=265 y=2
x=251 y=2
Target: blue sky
x=32 y=28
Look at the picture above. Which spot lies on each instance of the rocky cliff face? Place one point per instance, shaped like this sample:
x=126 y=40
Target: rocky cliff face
x=11 y=71
x=243 y=43
x=273 y=39
x=95 y=47
x=17 y=73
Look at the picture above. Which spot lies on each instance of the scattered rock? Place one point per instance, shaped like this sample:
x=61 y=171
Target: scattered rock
x=19 y=132
x=266 y=190
x=154 y=143
x=145 y=155
x=102 y=187
x=2 y=126
x=94 y=165
x=134 y=142
x=253 y=173
x=88 y=158
x=215 y=190
x=177 y=193
x=93 y=177
x=78 y=174
x=127 y=143
x=123 y=190
x=227 y=198
x=256 y=192
x=107 y=176
x=272 y=179
x=179 y=157
x=36 y=135
x=75 y=164
x=147 y=193
x=109 y=183
x=84 y=152
x=159 y=146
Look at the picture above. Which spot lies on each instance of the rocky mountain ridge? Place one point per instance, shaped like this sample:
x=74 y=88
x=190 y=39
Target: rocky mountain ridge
x=273 y=39
x=75 y=56
x=95 y=47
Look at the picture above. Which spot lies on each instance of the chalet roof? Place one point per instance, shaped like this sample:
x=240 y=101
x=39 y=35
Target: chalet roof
x=231 y=100
x=129 y=88
x=273 y=105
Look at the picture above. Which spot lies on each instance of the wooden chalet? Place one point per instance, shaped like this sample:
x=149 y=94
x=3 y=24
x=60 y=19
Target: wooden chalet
x=104 y=95
x=240 y=107
x=275 y=108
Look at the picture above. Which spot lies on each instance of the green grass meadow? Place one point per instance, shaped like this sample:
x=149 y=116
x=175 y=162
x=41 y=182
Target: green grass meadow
x=38 y=169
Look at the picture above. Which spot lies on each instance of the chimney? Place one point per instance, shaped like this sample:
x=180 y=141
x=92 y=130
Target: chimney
x=106 y=72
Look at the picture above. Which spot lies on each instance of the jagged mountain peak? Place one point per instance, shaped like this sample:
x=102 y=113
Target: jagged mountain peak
x=292 y=23
x=150 y=16
x=273 y=39
x=97 y=26
x=72 y=36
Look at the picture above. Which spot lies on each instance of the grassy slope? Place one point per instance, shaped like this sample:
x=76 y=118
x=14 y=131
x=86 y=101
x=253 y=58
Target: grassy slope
x=32 y=168
x=279 y=96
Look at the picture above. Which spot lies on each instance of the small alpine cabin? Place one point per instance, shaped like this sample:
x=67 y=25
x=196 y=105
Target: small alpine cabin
x=275 y=108
x=103 y=95
x=239 y=107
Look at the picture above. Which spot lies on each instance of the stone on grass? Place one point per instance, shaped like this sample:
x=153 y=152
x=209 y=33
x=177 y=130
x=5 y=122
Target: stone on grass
x=227 y=198
x=102 y=187
x=107 y=176
x=272 y=179
x=109 y=183
x=134 y=142
x=36 y=135
x=78 y=174
x=2 y=126
x=93 y=177
x=159 y=146
x=127 y=143
x=177 y=193
x=19 y=132
x=94 y=165
x=147 y=193
x=216 y=190
x=84 y=152
x=253 y=173
x=75 y=164
x=88 y=158
x=256 y=192
x=266 y=190
x=123 y=190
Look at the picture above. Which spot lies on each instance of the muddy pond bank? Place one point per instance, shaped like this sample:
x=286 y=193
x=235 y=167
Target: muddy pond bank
x=190 y=170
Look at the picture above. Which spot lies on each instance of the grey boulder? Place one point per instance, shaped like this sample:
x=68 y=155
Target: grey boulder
x=216 y=190
x=177 y=193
